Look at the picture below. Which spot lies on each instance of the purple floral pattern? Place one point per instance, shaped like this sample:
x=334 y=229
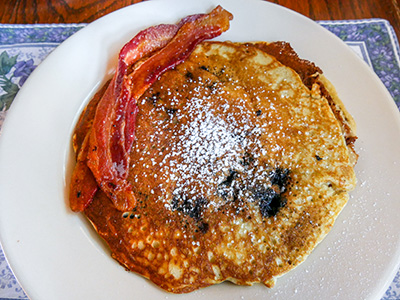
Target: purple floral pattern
x=13 y=74
x=382 y=47
x=19 y=34
x=23 y=69
x=23 y=47
x=9 y=287
x=393 y=292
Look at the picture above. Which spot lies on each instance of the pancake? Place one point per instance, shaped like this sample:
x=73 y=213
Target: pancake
x=241 y=163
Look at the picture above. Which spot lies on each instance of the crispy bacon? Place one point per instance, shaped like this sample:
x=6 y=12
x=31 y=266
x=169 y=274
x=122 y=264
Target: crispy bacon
x=141 y=61
x=83 y=185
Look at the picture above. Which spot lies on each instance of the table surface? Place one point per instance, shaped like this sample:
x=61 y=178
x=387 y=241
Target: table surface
x=86 y=11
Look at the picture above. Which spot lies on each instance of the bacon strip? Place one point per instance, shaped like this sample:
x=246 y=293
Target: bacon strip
x=141 y=61
x=83 y=185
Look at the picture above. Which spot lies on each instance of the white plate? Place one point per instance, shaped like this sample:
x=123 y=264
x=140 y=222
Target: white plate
x=55 y=254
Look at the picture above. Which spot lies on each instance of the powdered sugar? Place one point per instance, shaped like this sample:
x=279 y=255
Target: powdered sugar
x=210 y=144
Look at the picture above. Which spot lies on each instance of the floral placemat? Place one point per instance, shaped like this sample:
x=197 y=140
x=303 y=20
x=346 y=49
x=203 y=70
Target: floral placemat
x=24 y=47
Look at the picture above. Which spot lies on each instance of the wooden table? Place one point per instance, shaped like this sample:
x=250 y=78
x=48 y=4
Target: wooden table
x=77 y=11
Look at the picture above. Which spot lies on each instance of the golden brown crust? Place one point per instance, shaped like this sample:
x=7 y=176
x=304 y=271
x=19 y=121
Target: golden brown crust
x=345 y=119
x=239 y=169
x=311 y=74
x=286 y=55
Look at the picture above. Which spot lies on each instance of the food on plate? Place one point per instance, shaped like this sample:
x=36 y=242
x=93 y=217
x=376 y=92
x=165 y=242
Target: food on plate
x=227 y=163
x=103 y=157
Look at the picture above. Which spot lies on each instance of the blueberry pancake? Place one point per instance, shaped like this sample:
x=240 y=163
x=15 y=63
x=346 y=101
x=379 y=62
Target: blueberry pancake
x=242 y=159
